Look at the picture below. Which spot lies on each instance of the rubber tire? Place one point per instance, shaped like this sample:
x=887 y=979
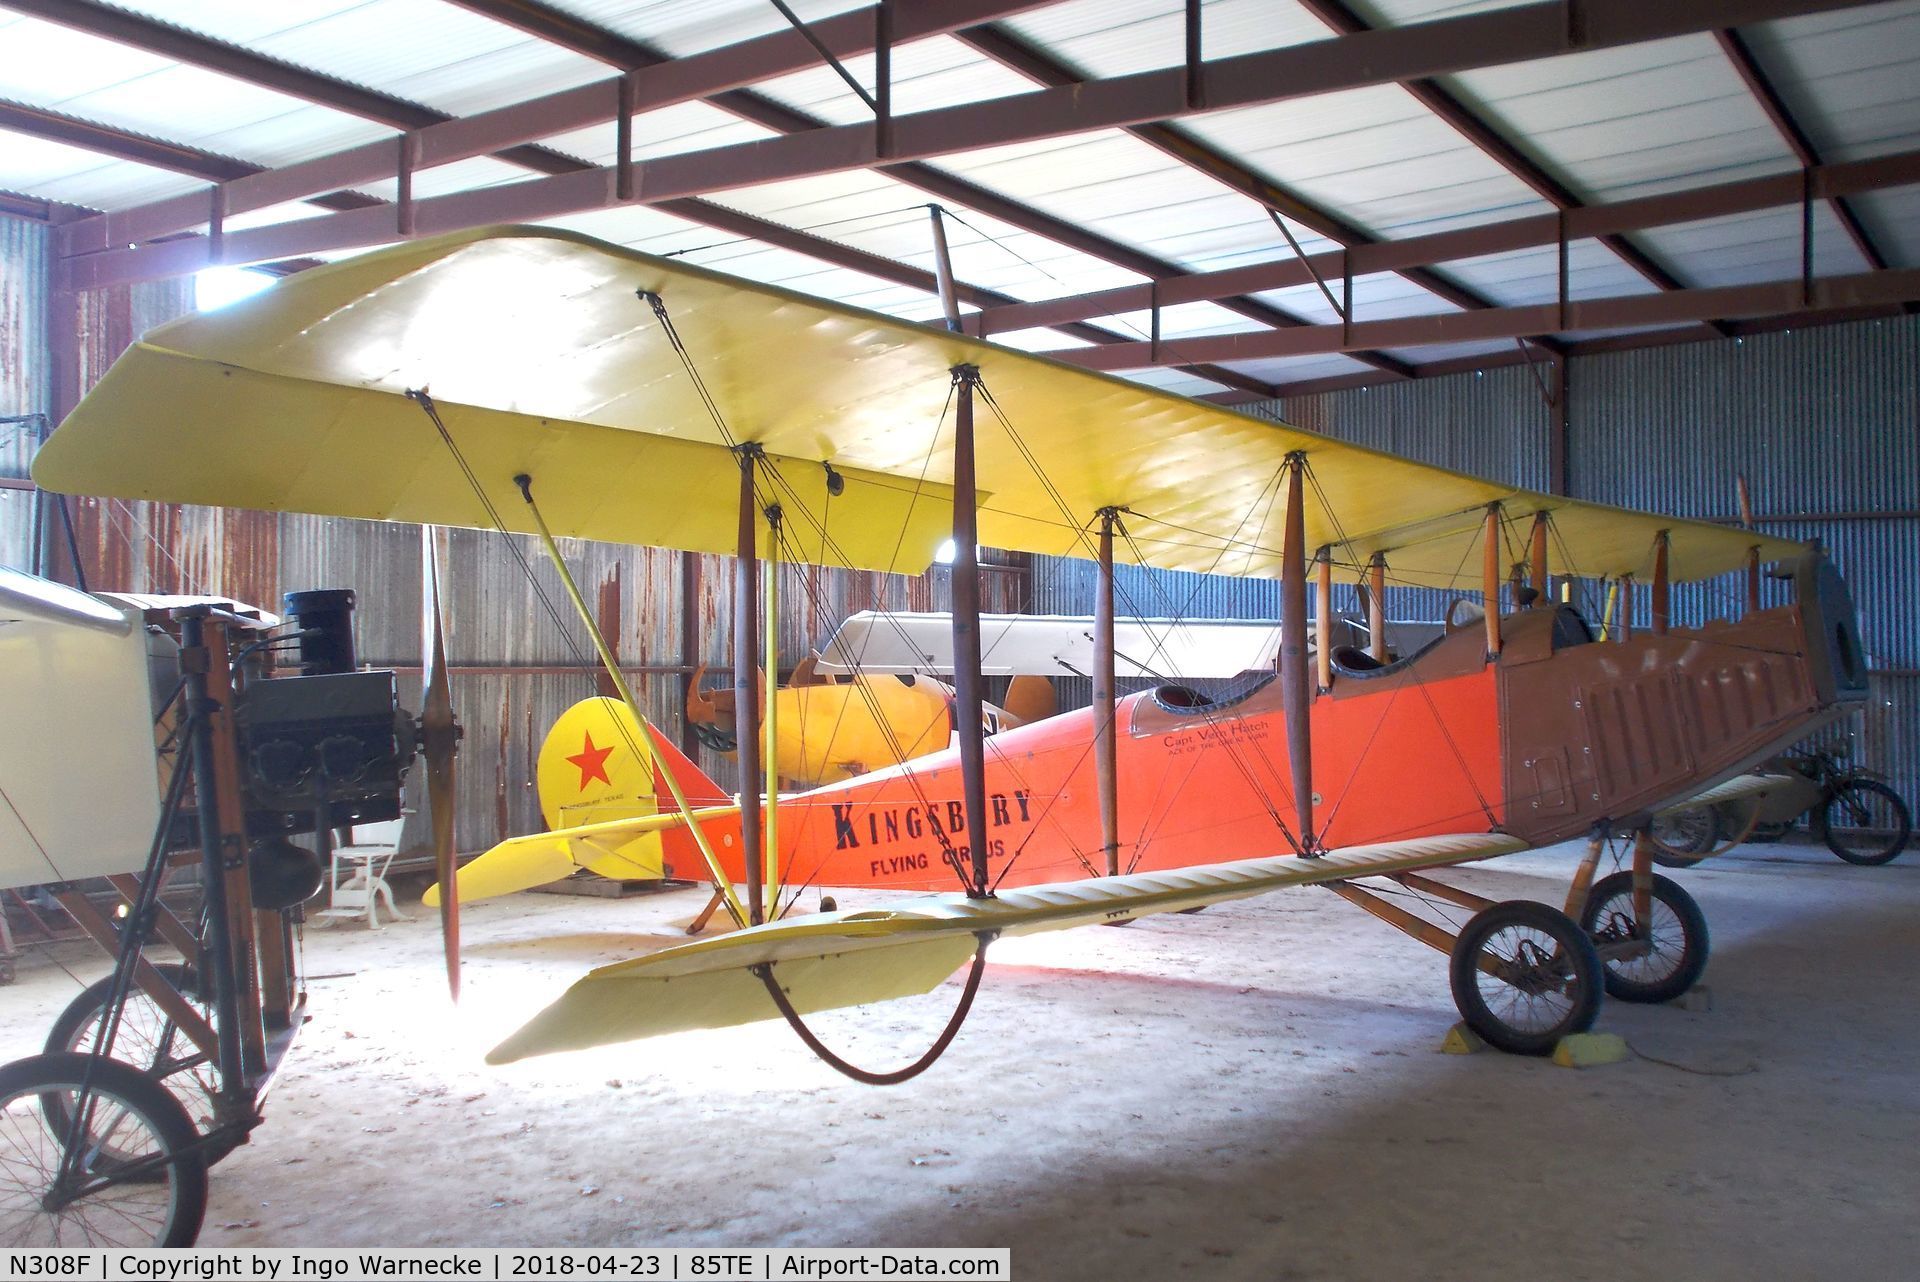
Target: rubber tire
x=1463 y=975
x=84 y=1011
x=1892 y=850
x=1693 y=929
x=42 y=1075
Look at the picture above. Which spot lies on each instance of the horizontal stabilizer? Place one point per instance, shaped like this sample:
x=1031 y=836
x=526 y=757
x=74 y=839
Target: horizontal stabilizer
x=849 y=958
x=522 y=863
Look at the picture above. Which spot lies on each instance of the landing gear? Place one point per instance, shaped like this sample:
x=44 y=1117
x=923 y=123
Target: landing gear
x=133 y=1178
x=1652 y=963
x=149 y=1040
x=1683 y=838
x=1524 y=976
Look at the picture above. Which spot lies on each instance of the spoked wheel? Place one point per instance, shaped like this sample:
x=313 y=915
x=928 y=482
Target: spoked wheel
x=1652 y=966
x=1867 y=823
x=150 y=1041
x=138 y=1180
x=1683 y=838
x=1524 y=976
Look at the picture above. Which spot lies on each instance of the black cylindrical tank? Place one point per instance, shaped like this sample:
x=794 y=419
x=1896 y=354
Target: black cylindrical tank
x=324 y=619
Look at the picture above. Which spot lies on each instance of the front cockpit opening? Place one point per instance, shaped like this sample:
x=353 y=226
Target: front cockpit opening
x=1190 y=701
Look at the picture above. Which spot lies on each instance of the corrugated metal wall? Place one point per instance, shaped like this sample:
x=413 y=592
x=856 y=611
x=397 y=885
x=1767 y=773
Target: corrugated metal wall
x=1824 y=424
x=25 y=376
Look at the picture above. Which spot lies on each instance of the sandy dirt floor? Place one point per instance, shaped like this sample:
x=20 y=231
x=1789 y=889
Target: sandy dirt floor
x=1253 y=1092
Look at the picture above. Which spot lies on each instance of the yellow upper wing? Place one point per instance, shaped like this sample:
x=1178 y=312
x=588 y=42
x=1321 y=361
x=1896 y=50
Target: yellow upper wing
x=546 y=361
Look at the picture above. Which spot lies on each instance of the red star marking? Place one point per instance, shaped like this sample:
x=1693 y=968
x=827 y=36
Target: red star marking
x=592 y=762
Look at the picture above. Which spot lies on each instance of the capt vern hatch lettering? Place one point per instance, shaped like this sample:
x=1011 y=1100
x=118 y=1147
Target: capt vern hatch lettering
x=883 y=824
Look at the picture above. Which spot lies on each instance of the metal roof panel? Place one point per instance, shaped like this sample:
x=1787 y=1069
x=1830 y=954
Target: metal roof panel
x=1375 y=155
x=1533 y=275
x=926 y=74
x=1892 y=219
x=1435 y=352
x=687 y=126
x=1295 y=369
x=1611 y=122
x=1851 y=78
x=1115 y=37
x=680 y=27
x=1760 y=246
x=55 y=171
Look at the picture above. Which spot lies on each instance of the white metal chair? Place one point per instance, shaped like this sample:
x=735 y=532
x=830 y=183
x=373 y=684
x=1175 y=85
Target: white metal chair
x=357 y=880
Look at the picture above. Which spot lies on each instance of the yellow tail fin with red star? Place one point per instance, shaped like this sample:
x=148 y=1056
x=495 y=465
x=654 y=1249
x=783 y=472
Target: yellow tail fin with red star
x=595 y=771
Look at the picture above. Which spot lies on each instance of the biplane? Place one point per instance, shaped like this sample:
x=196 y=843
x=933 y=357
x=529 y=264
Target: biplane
x=538 y=382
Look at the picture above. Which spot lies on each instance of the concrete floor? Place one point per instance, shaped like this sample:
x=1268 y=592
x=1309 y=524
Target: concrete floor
x=1253 y=1092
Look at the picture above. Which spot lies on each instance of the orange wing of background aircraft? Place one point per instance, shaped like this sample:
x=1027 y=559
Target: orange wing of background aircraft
x=539 y=382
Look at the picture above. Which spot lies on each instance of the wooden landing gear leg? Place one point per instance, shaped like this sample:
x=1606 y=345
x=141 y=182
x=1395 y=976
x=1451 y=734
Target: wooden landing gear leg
x=1650 y=934
x=1523 y=974
x=699 y=923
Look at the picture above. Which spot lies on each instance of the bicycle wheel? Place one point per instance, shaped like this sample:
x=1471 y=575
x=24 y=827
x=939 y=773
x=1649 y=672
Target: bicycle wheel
x=151 y=1042
x=1867 y=822
x=140 y=1181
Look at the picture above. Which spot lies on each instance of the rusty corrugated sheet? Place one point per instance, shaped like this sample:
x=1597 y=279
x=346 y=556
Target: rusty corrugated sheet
x=163 y=547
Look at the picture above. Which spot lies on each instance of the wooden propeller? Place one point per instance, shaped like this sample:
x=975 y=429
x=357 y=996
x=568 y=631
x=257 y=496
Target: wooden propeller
x=438 y=736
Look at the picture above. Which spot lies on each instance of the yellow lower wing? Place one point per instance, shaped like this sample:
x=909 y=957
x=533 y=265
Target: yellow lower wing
x=850 y=958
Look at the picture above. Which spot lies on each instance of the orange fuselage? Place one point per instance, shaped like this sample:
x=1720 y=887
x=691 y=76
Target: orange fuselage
x=1194 y=787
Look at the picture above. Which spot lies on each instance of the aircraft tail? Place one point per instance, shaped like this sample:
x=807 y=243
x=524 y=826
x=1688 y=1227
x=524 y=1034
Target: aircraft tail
x=603 y=793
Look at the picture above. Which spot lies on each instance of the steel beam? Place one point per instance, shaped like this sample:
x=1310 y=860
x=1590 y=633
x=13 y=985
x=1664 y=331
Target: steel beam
x=401 y=114
x=37 y=209
x=1417 y=51
x=1528 y=232
x=1775 y=298
x=617 y=50
x=441 y=139
x=586 y=38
